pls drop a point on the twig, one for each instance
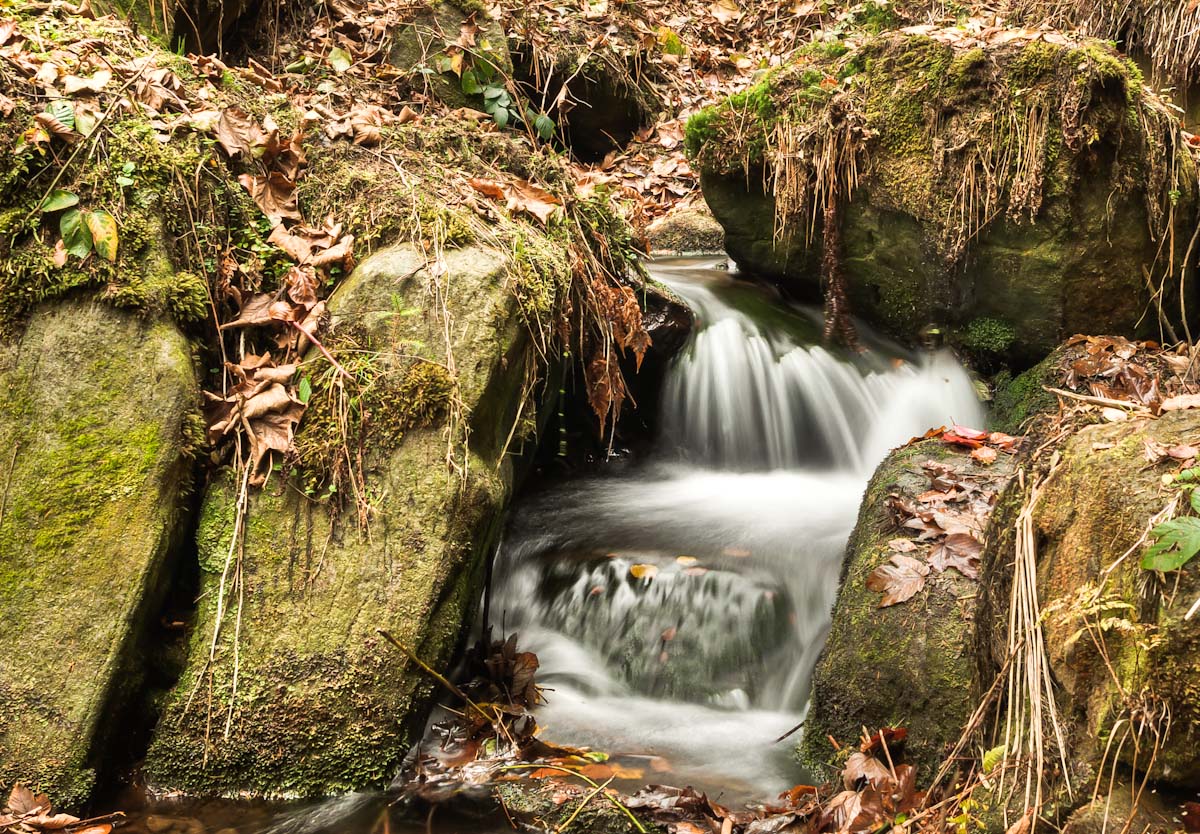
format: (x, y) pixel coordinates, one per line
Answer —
(582, 805)
(1106, 401)
(592, 782)
(436, 675)
(12, 465)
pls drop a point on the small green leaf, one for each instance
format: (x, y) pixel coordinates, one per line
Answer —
(492, 92)
(443, 64)
(993, 757)
(76, 236)
(124, 181)
(544, 125)
(470, 84)
(304, 390)
(596, 756)
(1176, 542)
(501, 116)
(103, 227)
(62, 110)
(57, 200)
(339, 59)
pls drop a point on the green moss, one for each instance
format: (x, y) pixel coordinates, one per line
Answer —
(988, 336)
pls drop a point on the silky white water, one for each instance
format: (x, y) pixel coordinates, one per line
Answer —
(737, 526)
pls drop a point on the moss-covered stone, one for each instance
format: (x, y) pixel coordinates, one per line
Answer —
(547, 804)
(1092, 514)
(1027, 184)
(1016, 400)
(94, 410)
(909, 665)
(686, 230)
(323, 704)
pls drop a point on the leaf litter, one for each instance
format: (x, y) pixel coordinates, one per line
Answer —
(944, 524)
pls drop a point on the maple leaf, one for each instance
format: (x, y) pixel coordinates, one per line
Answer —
(960, 551)
(274, 194)
(898, 580)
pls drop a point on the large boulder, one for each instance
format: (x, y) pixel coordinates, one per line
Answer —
(1009, 190)
(1118, 639)
(300, 695)
(911, 664)
(98, 418)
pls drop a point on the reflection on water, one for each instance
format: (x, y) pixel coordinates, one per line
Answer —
(678, 608)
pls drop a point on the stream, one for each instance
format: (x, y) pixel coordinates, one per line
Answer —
(678, 604)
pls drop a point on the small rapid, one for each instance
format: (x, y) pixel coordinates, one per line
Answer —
(678, 607)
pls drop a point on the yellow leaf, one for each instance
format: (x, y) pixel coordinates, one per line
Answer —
(686, 560)
(643, 571)
(103, 227)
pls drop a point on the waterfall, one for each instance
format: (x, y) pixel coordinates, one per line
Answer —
(678, 608)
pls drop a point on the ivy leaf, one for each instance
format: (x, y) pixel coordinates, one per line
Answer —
(75, 233)
(339, 59)
(544, 125)
(470, 84)
(103, 227)
(62, 111)
(1176, 542)
(58, 199)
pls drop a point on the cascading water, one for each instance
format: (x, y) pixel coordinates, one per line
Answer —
(678, 607)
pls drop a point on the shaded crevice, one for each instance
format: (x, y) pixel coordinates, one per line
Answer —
(154, 660)
(601, 109)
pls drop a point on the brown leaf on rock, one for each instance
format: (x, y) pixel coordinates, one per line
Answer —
(860, 767)
(960, 551)
(898, 580)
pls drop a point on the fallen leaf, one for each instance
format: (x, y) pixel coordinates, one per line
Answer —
(898, 580)
(984, 455)
(643, 571)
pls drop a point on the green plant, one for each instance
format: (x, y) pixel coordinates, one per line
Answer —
(483, 79)
(1177, 541)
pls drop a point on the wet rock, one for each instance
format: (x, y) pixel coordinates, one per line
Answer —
(908, 665)
(323, 704)
(1043, 262)
(689, 229)
(98, 415)
(546, 804)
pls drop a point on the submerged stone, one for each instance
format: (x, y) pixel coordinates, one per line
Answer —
(322, 703)
(95, 410)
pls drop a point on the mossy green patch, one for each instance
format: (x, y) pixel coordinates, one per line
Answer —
(93, 408)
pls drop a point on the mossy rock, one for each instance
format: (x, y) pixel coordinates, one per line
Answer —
(98, 411)
(1089, 521)
(323, 703)
(1017, 400)
(687, 230)
(1059, 252)
(547, 804)
(909, 665)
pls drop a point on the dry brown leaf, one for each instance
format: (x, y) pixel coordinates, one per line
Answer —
(898, 580)
(274, 194)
